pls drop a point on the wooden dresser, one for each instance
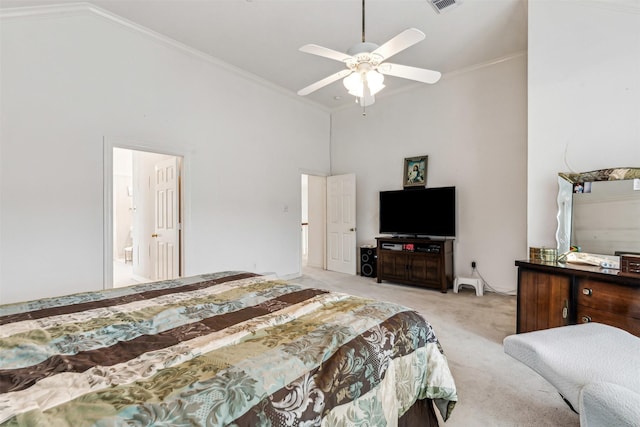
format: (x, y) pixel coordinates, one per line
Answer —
(554, 294)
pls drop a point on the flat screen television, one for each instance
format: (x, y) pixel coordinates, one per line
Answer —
(419, 212)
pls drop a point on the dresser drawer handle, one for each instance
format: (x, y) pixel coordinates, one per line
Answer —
(586, 319)
(588, 292)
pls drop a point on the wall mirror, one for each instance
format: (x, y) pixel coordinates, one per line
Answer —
(599, 211)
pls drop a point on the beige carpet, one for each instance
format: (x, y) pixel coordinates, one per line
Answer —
(493, 388)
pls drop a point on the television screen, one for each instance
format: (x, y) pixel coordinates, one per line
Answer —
(423, 212)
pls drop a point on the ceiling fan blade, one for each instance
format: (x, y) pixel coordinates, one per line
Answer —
(405, 39)
(314, 49)
(411, 73)
(324, 82)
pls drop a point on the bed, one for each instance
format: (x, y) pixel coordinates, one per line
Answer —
(229, 348)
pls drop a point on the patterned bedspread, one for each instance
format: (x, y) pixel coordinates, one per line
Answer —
(229, 348)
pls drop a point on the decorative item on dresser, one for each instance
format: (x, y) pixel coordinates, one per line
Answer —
(416, 261)
(630, 265)
(556, 294)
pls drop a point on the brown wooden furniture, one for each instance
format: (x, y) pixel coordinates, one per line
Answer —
(422, 262)
(543, 300)
(554, 294)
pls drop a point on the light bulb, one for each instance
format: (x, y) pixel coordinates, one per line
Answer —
(353, 83)
(375, 80)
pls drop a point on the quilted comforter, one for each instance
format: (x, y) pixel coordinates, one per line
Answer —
(228, 348)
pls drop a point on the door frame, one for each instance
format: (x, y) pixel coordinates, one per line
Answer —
(109, 143)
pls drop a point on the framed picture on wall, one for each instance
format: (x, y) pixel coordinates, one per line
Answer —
(415, 171)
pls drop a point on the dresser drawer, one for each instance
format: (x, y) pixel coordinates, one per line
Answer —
(590, 314)
(619, 300)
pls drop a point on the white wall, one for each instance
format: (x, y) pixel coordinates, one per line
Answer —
(584, 98)
(69, 80)
(472, 125)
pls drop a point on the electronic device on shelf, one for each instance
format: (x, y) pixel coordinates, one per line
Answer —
(392, 246)
(630, 264)
(428, 248)
(420, 212)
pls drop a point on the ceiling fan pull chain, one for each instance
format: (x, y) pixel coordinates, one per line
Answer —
(363, 38)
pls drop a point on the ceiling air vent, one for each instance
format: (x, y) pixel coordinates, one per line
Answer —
(444, 5)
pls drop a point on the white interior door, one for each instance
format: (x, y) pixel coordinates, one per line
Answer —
(341, 223)
(166, 235)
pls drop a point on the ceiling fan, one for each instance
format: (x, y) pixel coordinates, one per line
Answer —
(366, 66)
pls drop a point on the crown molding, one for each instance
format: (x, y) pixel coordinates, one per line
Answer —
(625, 6)
(445, 76)
(486, 64)
(84, 8)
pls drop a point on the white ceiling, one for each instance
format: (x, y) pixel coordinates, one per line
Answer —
(262, 37)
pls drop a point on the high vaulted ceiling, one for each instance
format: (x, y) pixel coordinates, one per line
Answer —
(262, 37)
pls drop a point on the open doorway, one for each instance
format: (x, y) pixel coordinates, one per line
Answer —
(328, 222)
(314, 189)
(147, 216)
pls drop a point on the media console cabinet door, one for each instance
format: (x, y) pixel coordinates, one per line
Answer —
(543, 300)
(425, 269)
(392, 265)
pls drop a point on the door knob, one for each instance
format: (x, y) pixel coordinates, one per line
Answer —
(352, 229)
(154, 235)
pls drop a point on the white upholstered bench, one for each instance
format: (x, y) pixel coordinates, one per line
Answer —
(595, 367)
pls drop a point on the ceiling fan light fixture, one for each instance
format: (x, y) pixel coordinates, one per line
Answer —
(366, 66)
(356, 81)
(353, 83)
(375, 81)
(366, 101)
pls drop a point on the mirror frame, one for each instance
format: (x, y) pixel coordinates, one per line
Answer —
(566, 180)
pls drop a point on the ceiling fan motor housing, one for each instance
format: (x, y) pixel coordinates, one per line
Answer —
(361, 55)
(367, 47)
